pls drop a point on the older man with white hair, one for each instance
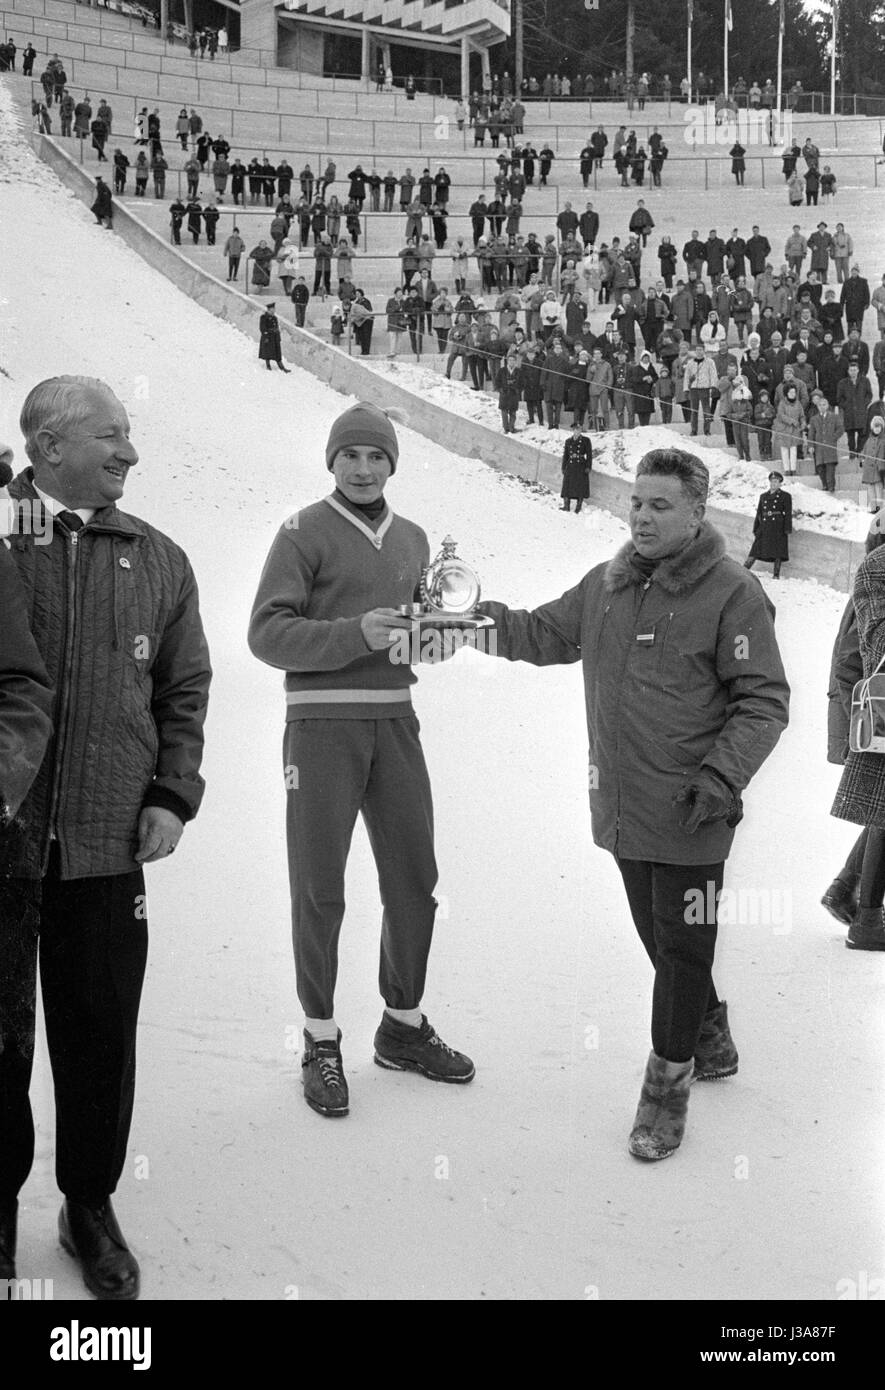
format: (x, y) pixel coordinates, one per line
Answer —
(115, 618)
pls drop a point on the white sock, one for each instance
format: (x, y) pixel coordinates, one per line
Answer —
(322, 1029)
(410, 1016)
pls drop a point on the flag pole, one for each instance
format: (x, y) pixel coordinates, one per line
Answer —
(688, 64)
(833, 60)
(780, 58)
(725, 53)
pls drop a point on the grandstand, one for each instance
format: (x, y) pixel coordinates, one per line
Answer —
(281, 111)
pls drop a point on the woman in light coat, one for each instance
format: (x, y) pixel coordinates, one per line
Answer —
(288, 264)
(843, 251)
(873, 463)
(789, 429)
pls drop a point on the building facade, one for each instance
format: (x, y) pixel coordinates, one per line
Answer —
(428, 39)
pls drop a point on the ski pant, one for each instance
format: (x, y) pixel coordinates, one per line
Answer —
(344, 767)
(91, 935)
(680, 949)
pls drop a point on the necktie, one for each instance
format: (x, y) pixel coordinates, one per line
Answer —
(71, 520)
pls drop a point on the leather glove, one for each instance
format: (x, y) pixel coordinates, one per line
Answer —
(708, 798)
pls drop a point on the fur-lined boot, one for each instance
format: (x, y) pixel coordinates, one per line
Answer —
(715, 1055)
(663, 1103)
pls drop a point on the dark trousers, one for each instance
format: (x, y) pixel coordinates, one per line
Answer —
(700, 400)
(92, 937)
(346, 767)
(233, 266)
(478, 370)
(680, 949)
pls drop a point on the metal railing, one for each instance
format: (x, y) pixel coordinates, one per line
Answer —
(680, 174)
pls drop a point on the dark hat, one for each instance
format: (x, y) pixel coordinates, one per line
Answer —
(777, 475)
(366, 425)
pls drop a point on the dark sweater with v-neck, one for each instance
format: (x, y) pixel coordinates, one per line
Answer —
(327, 567)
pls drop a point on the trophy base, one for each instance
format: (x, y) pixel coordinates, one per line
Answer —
(455, 622)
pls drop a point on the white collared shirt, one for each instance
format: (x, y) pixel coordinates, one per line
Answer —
(53, 506)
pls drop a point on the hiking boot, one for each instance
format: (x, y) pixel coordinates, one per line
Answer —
(663, 1103)
(715, 1055)
(840, 900)
(399, 1047)
(322, 1075)
(867, 930)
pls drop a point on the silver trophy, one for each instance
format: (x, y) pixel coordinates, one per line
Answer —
(449, 594)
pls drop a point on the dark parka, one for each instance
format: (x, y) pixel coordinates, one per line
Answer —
(25, 696)
(577, 460)
(861, 794)
(114, 612)
(555, 378)
(852, 399)
(709, 690)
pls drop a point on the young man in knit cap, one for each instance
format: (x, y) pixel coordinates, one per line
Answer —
(326, 614)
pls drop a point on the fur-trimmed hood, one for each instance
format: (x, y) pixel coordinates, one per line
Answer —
(678, 572)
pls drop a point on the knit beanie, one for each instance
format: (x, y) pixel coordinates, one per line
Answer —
(753, 340)
(364, 425)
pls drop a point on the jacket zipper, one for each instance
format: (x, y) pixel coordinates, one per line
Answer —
(645, 588)
(67, 671)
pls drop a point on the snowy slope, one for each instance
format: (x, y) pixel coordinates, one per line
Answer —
(518, 1186)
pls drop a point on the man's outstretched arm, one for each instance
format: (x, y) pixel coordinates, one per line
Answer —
(547, 636)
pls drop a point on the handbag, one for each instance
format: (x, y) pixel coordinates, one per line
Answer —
(866, 731)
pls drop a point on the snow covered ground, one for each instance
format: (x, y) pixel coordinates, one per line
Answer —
(518, 1186)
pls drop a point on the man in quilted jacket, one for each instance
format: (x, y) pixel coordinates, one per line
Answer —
(686, 697)
(114, 613)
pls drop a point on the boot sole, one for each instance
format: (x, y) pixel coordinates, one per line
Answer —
(96, 1289)
(389, 1065)
(651, 1158)
(325, 1111)
(864, 946)
(714, 1075)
